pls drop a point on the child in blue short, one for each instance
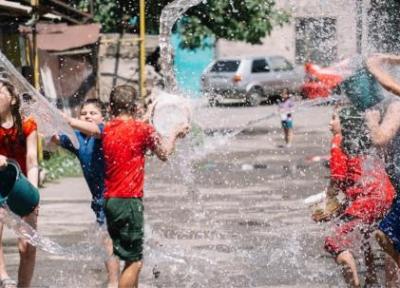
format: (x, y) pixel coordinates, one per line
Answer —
(90, 155)
(285, 110)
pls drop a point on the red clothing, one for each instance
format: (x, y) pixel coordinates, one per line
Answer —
(368, 191)
(372, 193)
(124, 145)
(364, 181)
(13, 147)
(337, 162)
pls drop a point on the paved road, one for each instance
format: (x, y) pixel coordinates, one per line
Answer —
(234, 219)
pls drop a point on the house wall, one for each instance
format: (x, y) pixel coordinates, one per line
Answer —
(282, 39)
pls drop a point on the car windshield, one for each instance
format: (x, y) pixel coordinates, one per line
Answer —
(225, 66)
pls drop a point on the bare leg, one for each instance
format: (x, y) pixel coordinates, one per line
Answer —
(3, 272)
(27, 254)
(387, 246)
(370, 278)
(289, 136)
(112, 264)
(130, 275)
(346, 260)
(286, 135)
(391, 273)
(392, 260)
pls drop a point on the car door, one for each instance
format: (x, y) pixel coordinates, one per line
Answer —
(294, 76)
(261, 75)
(286, 76)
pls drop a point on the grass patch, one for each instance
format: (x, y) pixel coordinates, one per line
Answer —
(60, 163)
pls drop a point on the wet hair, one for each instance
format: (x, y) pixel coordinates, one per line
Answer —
(123, 99)
(15, 112)
(96, 102)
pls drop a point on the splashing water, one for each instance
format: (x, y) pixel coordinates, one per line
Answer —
(91, 250)
(289, 253)
(48, 118)
(169, 15)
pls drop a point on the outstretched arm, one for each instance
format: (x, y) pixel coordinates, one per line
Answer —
(32, 165)
(382, 132)
(374, 65)
(88, 128)
(164, 146)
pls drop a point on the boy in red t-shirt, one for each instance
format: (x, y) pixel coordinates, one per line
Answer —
(125, 142)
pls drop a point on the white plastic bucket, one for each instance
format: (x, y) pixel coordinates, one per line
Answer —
(170, 111)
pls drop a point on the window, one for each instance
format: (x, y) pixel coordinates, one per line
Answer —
(260, 66)
(225, 66)
(280, 64)
(316, 40)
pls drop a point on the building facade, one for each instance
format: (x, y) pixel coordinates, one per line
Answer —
(320, 31)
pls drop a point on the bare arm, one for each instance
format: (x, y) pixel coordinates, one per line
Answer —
(32, 158)
(87, 128)
(374, 65)
(166, 145)
(382, 133)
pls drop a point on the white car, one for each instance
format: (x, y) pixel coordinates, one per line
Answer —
(249, 80)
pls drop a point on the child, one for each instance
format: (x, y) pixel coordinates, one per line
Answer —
(90, 154)
(125, 142)
(337, 170)
(18, 141)
(369, 194)
(383, 121)
(285, 109)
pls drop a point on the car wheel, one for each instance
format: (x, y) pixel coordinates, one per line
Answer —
(212, 102)
(254, 97)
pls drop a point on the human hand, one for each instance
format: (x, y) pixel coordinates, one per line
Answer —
(55, 139)
(372, 118)
(66, 117)
(3, 162)
(182, 130)
(149, 113)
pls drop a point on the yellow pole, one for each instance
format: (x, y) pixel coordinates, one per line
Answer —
(142, 50)
(36, 73)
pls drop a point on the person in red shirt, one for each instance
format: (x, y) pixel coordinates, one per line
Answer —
(368, 196)
(125, 142)
(18, 141)
(337, 167)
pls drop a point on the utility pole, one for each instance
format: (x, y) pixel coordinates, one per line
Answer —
(142, 50)
(35, 62)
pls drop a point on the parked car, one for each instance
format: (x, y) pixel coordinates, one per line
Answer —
(249, 80)
(320, 82)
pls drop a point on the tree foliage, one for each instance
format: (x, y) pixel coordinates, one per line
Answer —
(244, 20)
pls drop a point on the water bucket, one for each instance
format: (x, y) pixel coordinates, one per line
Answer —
(16, 191)
(362, 89)
(170, 111)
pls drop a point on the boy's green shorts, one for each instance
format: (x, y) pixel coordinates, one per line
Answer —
(125, 224)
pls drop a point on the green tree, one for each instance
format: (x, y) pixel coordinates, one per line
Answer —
(244, 20)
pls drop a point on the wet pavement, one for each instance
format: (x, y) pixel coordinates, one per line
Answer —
(240, 223)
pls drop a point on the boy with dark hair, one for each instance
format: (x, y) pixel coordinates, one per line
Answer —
(125, 142)
(90, 125)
